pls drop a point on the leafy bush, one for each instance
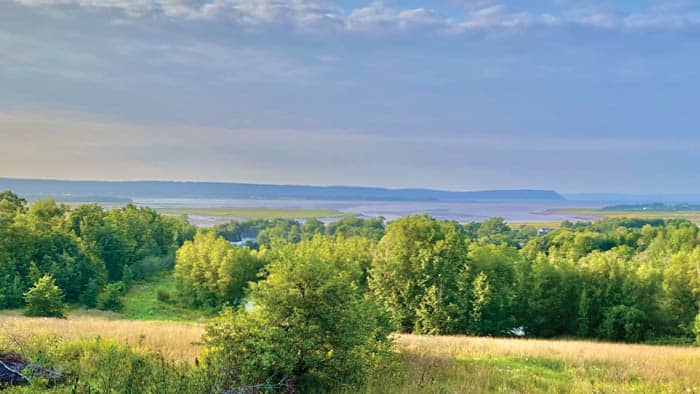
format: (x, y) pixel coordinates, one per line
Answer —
(89, 296)
(418, 264)
(153, 265)
(105, 366)
(45, 299)
(112, 297)
(164, 296)
(210, 272)
(624, 323)
(307, 323)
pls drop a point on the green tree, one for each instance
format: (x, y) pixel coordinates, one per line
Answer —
(494, 230)
(111, 298)
(624, 323)
(372, 229)
(499, 263)
(90, 294)
(11, 202)
(312, 228)
(481, 297)
(127, 276)
(583, 319)
(45, 299)
(211, 272)
(434, 314)
(415, 254)
(307, 322)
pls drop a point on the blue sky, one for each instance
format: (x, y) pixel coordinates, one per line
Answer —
(577, 96)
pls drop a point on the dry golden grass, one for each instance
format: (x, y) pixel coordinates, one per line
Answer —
(528, 365)
(177, 341)
(447, 364)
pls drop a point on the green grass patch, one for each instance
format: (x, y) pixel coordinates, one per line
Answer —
(143, 302)
(256, 213)
(482, 373)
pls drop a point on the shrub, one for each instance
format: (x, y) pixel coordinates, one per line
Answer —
(111, 298)
(89, 296)
(164, 296)
(308, 323)
(697, 329)
(210, 272)
(105, 366)
(45, 299)
(624, 323)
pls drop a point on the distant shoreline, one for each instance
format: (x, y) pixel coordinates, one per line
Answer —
(173, 189)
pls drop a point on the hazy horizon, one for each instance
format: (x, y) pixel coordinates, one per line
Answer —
(593, 96)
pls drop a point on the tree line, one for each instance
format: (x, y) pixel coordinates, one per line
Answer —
(318, 311)
(309, 305)
(90, 254)
(617, 279)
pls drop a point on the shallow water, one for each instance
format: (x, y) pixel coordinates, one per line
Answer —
(513, 212)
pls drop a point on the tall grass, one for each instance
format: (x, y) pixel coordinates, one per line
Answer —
(175, 340)
(480, 365)
(447, 364)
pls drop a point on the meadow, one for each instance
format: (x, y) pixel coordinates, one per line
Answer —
(434, 364)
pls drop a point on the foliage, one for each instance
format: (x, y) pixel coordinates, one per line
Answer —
(289, 230)
(111, 298)
(418, 260)
(211, 272)
(308, 322)
(624, 323)
(105, 366)
(90, 294)
(372, 228)
(45, 299)
(156, 299)
(83, 248)
(620, 279)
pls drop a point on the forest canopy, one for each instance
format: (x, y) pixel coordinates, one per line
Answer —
(617, 279)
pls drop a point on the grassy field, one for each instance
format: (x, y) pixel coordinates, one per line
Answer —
(441, 364)
(255, 213)
(142, 303)
(693, 216)
(176, 340)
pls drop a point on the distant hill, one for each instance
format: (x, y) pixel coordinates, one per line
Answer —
(38, 188)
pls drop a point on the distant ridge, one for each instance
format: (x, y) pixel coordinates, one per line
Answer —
(43, 188)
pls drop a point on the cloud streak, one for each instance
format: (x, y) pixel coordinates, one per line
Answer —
(379, 18)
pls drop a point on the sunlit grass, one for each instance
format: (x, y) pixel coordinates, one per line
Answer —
(447, 364)
(142, 303)
(175, 340)
(474, 365)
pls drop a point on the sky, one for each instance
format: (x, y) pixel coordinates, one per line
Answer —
(570, 95)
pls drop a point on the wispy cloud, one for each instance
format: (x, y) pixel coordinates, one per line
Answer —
(377, 17)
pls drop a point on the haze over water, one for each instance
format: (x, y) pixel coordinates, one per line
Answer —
(513, 212)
